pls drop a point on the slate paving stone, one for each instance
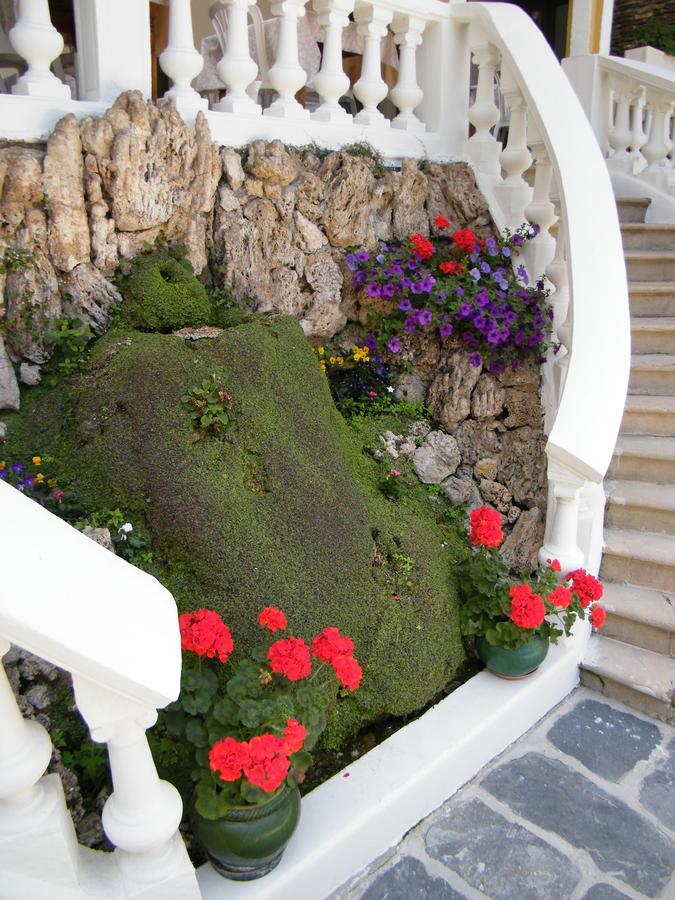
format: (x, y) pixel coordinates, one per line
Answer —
(607, 741)
(657, 793)
(604, 892)
(498, 857)
(619, 839)
(409, 880)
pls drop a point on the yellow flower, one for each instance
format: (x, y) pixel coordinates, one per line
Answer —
(37, 460)
(332, 360)
(321, 351)
(39, 478)
(2, 465)
(340, 360)
(51, 483)
(323, 365)
(355, 349)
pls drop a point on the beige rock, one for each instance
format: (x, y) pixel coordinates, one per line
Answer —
(89, 296)
(227, 199)
(526, 373)
(499, 496)
(411, 387)
(477, 440)
(453, 193)
(9, 387)
(486, 468)
(437, 458)
(271, 163)
(523, 465)
(523, 406)
(310, 237)
(346, 214)
(309, 196)
(324, 317)
(232, 168)
(29, 374)
(520, 548)
(63, 180)
(409, 195)
(32, 301)
(450, 392)
(100, 536)
(487, 400)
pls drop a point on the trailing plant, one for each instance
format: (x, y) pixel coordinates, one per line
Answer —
(211, 407)
(131, 542)
(253, 721)
(460, 286)
(657, 33)
(508, 612)
(13, 259)
(68, 339)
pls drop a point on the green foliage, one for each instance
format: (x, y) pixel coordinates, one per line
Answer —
(657, 33)
(391, 485)
(131, 541)
(68, 340)
(13, 259)
(363, 148)
(87, 760)
(211, 407)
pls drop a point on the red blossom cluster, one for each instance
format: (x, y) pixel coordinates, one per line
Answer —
(263, 760)
(588, 588)
(441, 222)
(465, 239)
(204, 633)
(527, 608)
(451, 267)
(337, 650)
(422, 247)
(486, 527)
(554, 564)
(561, 597)
(290, 657)
(272, 618)
(597, 615)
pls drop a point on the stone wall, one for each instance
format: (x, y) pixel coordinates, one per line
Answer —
(630, 14)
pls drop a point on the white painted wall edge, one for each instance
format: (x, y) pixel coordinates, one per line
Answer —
(356, 816)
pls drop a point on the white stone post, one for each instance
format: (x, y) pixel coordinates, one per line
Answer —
(656, 149)
(36, 40)
(514, 193)
(407, 94)
(371, 89)
(482, 147)
(540, 211)
(620, 134)
(181, 61)
(562, 538)
(555, 370)
(287, 75)
(142, 815)
(638, 135)
(331, 82)
(37, 837)
(237, 69)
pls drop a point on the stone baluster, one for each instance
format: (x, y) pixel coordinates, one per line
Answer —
(37, 41)
(655, 151)
(514, 193)
(540, 212)
(331, 82)
(482, 147)
(287, 75)
(638, 134)
(35, 828)
(142, 815)
(407, 94)
(181, 61)
(555, 369)
(236, 68)
(670, 135)
(371, 89)
(620, 134)
(562, 534)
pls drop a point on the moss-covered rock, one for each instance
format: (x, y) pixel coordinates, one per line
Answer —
(285, 510)
(162, 294)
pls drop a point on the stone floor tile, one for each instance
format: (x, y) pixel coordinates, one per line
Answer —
(658, 789)
(618, 838)
(606, 740)
(498, 857)
(604, 892)
(409, 880)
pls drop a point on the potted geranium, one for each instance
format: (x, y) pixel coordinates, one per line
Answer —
(252, 722)
(515, 620)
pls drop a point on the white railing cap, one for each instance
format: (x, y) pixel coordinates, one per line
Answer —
(644, 73)
(77, 605)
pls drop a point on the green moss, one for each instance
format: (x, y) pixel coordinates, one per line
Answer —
(285, 510)
(162, 294)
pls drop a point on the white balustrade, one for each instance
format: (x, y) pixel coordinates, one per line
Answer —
(656, 150)
(407, 94)
(236, 68)
(621, 134)
(482, 147)
(637, 130)
(287, 75)
(181, 61)
(562, 538)
(36, 40)
(540, 212)
(330, 82)
(371, 89)
(514, 193)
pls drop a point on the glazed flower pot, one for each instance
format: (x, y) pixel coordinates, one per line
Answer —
(513, 664)
(248, 841)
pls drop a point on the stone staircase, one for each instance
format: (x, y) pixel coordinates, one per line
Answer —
(632, 658)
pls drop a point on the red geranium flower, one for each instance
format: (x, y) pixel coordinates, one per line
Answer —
(586, 586)
(561, 597)
(272, 619)
(441, 222)
(554, 564)
(268, 764)
(465, 239)
(290, 657)
(422, 246)
(294, 735)
(228, 757)
(486, 527)
(348, 671)
(329, 644)
(204, 633)
(598, 615)
(527, 608)
(451, 267)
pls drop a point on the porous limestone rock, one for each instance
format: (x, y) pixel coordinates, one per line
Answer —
(89, 297)
(437, 458)
(523, 465)
(496, 494)
(477, 440)
(487, 400)
(520, 548)
(29, 374)
(410, 387)
(69, 243)
(346, 217)
(461, 488)
(9, 388)
(309, 237)
(486, 468)
(271, 162)
(523, 405)
(450, 392)
(410, 189)
(100, 536)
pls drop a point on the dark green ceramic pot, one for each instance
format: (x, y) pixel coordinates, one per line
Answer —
(248, 842)
(513, 663)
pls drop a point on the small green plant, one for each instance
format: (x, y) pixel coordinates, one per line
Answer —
(68, 340)
(391, 485)
(659, 34)
(363, 148)
(211, 407)
(14, 259)
(131, 542)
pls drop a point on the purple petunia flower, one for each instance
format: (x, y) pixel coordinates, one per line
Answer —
(17, 468)
(370, 342)
(409, 325)
(517, 240)
(363, 256)
(394, 345)
(445, 330)
(475, 274)
(479, 322)
(424, 317)
(3, 474)
(440, 296)
(412, 264)
(485, 267)
(352, 262)
(358, 279)
(380, 258)
(463, 310)
(406, 282)
(476, 360)
(497, 366)
(417, 288)
(374, 289)
(506, 251)
(405, 305)
(459, 290)
(482, 299)
(504, 285)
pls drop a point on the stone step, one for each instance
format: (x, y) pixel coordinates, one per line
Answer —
(652, 298)
(640, 616)
(652, 373)
(632, 209)
(638, 236)
(649, 415)
(650, 265)
(641, 457)
(644, 558)
(641, 506)
(653, 334)
(641, 678)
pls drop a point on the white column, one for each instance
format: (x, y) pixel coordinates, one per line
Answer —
(237, 69)
(331, 82)
(555, 370)
(113, 48)
(371, 89)
(540, 211)
(638, 135)
(142, 815)
(656, 150)
(562, 537)
(36, 40)
(287, 75)
(181, 61)
(35, 827)
(482, 147)
(407, 94)
(620, 134)
(514, 193)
